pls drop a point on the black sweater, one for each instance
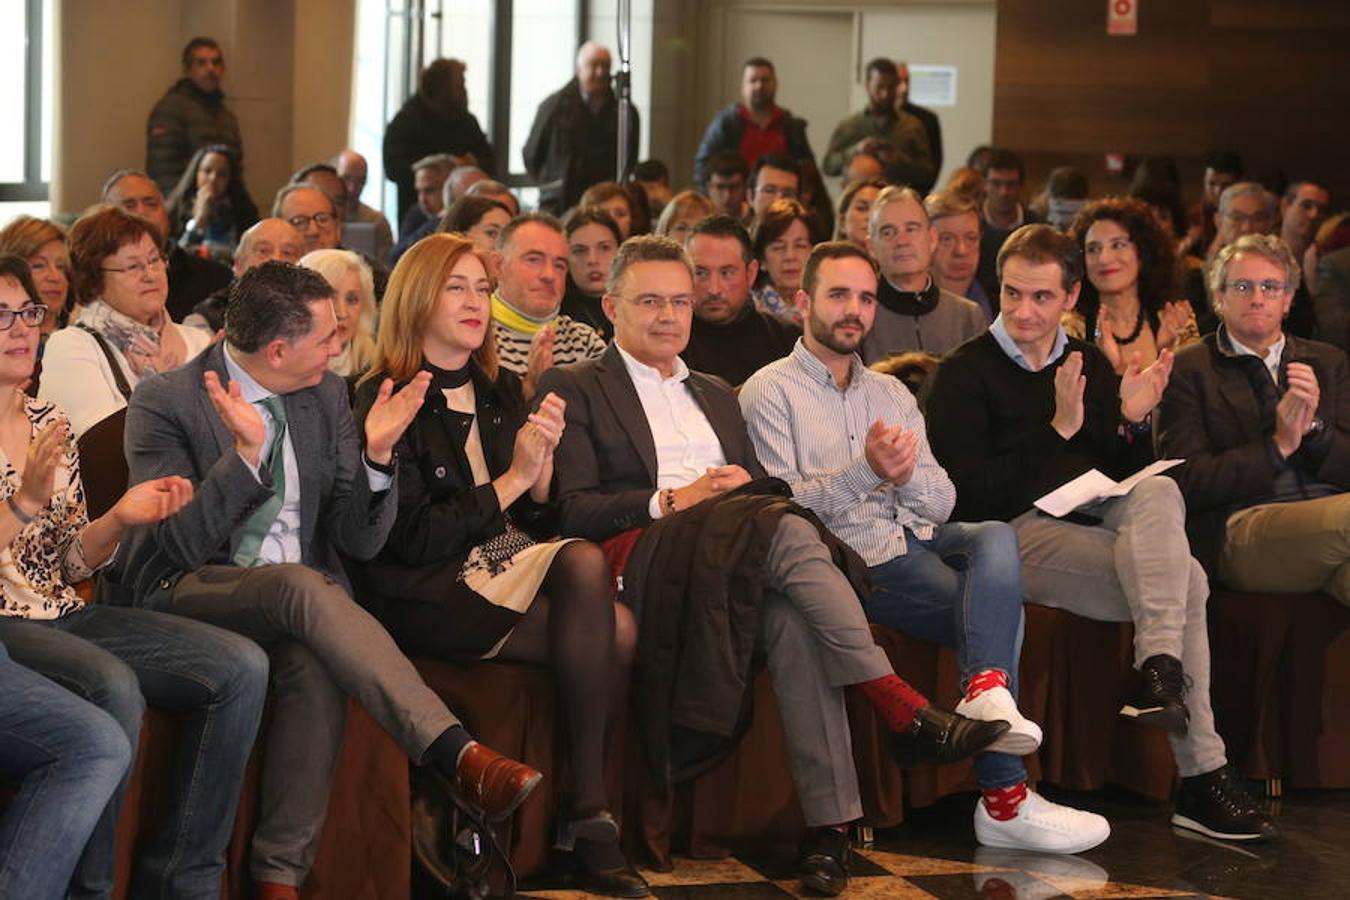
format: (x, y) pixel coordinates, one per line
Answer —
(738, 349)
(989, 426)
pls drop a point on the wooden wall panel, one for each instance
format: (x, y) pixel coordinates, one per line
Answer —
(1271, 80)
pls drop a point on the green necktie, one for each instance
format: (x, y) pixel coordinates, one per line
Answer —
(260, 523)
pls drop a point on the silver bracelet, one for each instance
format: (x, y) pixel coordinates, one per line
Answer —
(23, 517)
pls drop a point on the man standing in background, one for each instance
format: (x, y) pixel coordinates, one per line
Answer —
(191, 114)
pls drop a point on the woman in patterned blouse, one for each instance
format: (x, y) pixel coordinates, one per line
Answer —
(117, 659)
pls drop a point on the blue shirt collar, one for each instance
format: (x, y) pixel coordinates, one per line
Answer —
(249, 389)
(1014, 353)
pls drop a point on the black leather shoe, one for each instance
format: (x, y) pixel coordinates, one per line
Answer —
(822, 861)
(602, 868)
(1161, 701)
(938, 736)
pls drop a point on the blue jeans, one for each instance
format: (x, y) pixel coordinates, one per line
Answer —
(963, 589)
(68, 757)
(120, 660)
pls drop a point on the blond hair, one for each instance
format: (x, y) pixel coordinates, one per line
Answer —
(332, 265)
(410, 302)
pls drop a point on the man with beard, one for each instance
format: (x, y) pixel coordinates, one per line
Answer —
(875, 484)
(755, 126)
(885, 130)
(729, 337)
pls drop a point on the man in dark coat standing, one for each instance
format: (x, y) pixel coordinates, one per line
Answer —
(191, 114)
(574, 142)
(436, 119)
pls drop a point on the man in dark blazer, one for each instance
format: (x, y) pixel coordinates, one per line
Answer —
(284, 491)
(645, 439)
(1262, 419)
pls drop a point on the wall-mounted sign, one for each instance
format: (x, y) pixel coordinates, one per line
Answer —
(932, 85)
(1122, 17)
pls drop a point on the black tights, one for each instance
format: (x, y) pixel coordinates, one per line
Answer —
(572, 627)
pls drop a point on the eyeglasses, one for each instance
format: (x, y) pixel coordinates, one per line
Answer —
(1260, 220)
(773, 190)
(1245, 287)
(138, 269)
(652, 303)
(32, 316)
(323, 220)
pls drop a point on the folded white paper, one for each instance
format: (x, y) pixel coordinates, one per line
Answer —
(1093, 486)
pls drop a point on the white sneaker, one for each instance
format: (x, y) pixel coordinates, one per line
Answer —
(997, 703)
(1042, 826)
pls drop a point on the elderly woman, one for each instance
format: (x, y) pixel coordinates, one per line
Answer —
(354, 304)
(782, 241)
(1128, 302)
(118, 659)
(121, 332)
(469, 570)
(42, 244)
(210, 208)
(593, 240)
(855, 209)
(685, 210)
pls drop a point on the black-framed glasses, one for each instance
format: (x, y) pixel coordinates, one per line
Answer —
(32, 316)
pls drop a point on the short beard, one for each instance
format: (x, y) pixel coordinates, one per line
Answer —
(824, 334)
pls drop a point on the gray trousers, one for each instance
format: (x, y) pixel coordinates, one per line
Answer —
(323, 647)
(1134, 567)
(817, 640)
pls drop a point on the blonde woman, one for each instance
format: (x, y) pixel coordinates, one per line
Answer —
(355, 306)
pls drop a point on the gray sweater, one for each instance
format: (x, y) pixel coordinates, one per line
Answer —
(936, 328)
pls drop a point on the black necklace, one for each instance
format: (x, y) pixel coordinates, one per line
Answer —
(1133, 335)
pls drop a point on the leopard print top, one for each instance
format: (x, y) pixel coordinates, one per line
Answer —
(39, 566)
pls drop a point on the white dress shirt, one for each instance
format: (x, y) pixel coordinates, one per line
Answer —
(686, 445)
(282, 544)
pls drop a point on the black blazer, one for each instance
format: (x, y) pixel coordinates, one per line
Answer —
(605, 467)
(442, 515)
(1210, 417)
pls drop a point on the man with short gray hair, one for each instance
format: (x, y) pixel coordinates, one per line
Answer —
(651, 445)
(312, 212)
(574, 140)
(913, 311)
(1262, 419)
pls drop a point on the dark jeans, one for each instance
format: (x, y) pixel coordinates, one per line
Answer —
(120, 660)
(68, 757)
(963, 589)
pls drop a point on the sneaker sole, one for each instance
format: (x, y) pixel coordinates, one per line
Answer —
(1080, 847)
(1157, 717)
(1190, 824)
(1014, 744)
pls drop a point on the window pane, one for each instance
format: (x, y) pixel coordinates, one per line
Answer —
(14, 76)
(48, 87)
(543, 57)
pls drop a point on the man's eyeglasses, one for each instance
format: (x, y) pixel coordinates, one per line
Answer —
(652, 303)
(1245, 288)
(773, 190)
(32, 316)
(323, 220)
(138, 269)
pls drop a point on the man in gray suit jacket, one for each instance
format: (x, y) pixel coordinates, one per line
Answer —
(283, 490)
(647, 439)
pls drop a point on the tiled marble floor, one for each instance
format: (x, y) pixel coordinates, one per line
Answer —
(933, 856)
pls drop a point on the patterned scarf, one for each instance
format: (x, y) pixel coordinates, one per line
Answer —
(138, 342)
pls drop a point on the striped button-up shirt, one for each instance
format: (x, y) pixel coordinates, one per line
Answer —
(812, 435)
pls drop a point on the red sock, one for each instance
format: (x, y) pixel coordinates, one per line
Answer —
(894, 699)
(985, 681)
(1002, 803)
